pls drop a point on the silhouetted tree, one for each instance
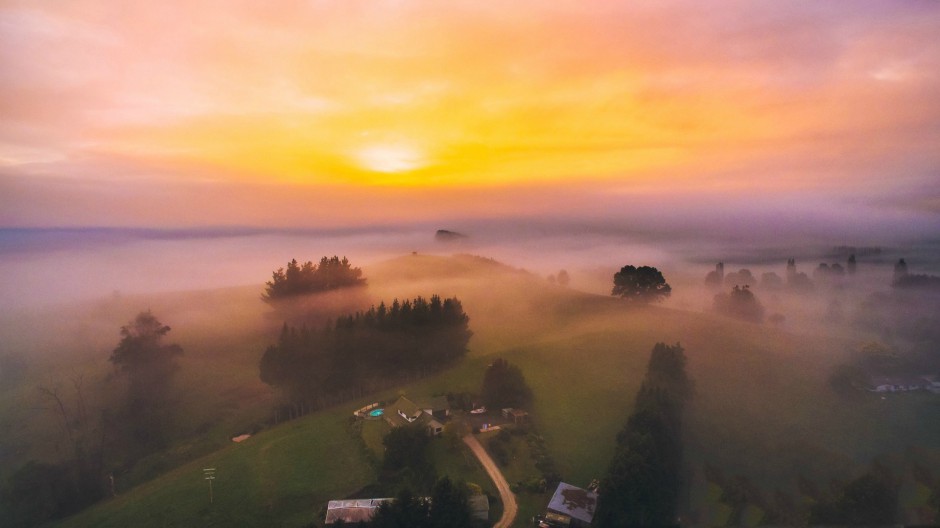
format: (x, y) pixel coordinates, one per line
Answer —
(869, 500)
(563, 278)
(740, 303)
(642, 285)
(742, 277)
(798, 281)
(406, 446)
(149, 365)
(642, 483)
(504, 386)
(450, 505)
(406, 511)
(770, 281)
(900, 270)
(717, 277)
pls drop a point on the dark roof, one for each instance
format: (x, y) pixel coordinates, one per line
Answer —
(574, 502)
(436, 403)
(407, 407)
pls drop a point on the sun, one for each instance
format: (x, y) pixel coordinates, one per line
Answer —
(390, 159)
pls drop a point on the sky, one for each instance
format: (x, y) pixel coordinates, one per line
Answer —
(758, 114)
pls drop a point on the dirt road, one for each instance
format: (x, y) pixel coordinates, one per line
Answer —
(510, 508)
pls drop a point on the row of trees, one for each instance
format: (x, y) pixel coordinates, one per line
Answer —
(447, 507)
(366, 351)
(641, 487)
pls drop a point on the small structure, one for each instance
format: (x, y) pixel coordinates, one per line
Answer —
(435, 428)
(932, 383)
(479, 507)
(898, 384)
(518, 416)
(571, 506)
(352, 511)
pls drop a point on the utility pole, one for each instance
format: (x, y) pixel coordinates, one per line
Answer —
(209, 474)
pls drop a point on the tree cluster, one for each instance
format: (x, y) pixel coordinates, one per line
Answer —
(640, 285)
(641, 487)
(40, 492)
(504, 386)
(367, 350)
(869, 500)
(448, 507)
(300, 279)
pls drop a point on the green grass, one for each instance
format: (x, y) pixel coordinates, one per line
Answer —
(373, 431)
(280, 477)
(761, 407)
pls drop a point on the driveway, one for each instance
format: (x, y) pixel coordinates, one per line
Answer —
(510, 508)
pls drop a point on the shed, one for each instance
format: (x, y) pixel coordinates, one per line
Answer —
(479, 507)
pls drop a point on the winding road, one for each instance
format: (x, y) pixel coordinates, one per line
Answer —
(510, 508)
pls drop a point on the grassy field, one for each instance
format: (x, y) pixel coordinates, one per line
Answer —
(281, 477)
(761, 409)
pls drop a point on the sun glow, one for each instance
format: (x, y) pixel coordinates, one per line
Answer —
(390, 159)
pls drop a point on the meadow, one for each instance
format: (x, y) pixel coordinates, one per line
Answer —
(762, 409)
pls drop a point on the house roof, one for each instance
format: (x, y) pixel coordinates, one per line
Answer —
(574, 502)
(401, 406)
(436, 403)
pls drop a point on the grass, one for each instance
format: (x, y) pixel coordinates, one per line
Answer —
(761, 407)
(279, 477)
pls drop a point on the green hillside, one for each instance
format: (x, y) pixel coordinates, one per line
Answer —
(762, 409)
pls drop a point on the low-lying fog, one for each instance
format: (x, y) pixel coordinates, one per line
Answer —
(41, 267)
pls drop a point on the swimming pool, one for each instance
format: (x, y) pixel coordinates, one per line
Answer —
(375, 413)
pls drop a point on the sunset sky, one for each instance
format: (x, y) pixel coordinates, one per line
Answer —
(336, 113)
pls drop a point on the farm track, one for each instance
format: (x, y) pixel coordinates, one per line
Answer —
(510, 508)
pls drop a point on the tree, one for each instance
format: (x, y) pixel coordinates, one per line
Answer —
(641, 487)
(641, 285)
(504, 386)
(407, 446)
(141, 353)
(450, 505)
(740, 303)
(406, 511)
(563, 278)
(871, 499)
(149, 366)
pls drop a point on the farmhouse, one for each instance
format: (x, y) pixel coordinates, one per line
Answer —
(571, 506)
(352, 511)
(404, 411)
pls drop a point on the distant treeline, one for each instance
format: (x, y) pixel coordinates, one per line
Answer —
(642, 484)
(366, 351)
